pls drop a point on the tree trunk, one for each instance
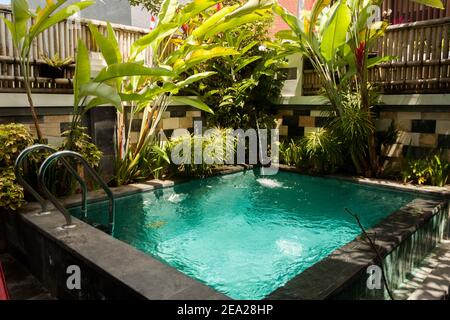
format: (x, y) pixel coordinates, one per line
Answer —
(34, 115)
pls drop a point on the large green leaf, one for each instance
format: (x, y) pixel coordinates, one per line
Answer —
(245, 62)
(251, 6)
(203, 55)
(431, 3)
(167, 11)
(229, 24)
(292, 21)
(18, 26)
(153, 38)
(107, 47)
(150, 93)
(193, 8)
(131, 69)
(335, 34)
(82, 71)
(59, 16)
(102, 93)
(212, 21)
(194, 78)
(193, 102)
(42, 14)
(319, 5)
(115, 43)
(373, 62)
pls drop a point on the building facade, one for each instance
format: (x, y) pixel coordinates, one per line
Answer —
(115, 11)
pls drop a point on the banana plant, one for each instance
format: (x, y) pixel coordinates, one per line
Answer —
(26, 25)
(337, 38)
(148, 90)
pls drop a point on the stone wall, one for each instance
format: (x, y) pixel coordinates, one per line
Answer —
(176, 117)
(53, 121)
(422, 129)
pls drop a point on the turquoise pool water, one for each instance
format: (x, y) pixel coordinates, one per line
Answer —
(244, 234)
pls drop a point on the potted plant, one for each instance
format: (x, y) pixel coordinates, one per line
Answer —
(54, 67)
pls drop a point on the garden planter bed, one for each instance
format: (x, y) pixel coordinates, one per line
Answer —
(115, 270)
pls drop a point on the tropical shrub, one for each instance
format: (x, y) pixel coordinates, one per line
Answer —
(214, 146)
(26, 26)
(439, 171)
(77, 140)
(292, 153)
(11, 193)
(337, 38)
(13, 138)
(245, 85)
(323, 151)
(433, 170)
(137, 89)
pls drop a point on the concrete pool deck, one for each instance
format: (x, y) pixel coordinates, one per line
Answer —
(115, 270)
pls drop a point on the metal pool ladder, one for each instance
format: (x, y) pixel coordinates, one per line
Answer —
(49, 161)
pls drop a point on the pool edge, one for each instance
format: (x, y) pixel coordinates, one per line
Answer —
(289, 291)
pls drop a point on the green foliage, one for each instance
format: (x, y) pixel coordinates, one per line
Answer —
(77, 140)
(11, 194)
(318, 152)
(323, 151)
(433, 170)
(292, 153)
(152, 162)
(214, 150)
(56, 61)
(353, 128)
(138, 89)
(439, 171)
(336, 38)
(14, 138)
(245, 84)
(151, 5)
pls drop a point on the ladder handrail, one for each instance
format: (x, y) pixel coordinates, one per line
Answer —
(74, 155)
(18, 167)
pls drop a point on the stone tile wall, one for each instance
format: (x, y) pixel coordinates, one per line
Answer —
(420, 132)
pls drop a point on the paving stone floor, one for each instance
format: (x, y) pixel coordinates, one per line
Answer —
(21, 284)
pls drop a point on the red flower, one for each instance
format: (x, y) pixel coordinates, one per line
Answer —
(360, 55)
(219, 6)
(152, 23)
(185, 28)
(399, 20)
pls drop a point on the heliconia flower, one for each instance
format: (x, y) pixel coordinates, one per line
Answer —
(219, 6)
(360, 55)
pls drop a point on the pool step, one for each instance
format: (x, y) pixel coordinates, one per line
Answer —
(417, 277)
(437, 285)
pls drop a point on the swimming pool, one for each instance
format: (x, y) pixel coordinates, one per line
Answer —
(246, 235)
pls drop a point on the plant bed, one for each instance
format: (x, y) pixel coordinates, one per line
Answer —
(47, 71)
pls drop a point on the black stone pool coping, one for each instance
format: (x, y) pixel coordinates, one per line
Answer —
(330, 276)
(151, 279)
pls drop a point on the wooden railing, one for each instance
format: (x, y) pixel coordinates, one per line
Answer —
(62, 40)
(405, 11)
(422, 63)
